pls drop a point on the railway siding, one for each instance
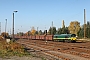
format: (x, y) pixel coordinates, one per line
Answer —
(64, 51)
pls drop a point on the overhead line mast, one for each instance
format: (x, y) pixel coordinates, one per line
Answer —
(52, 28)
(84, 23)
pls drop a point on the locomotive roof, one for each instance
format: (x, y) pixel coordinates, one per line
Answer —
(64, 34)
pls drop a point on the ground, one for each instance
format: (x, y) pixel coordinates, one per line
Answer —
(21, 58)
(40, 50)
(58, 50)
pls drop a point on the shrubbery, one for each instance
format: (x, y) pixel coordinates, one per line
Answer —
(11, 49)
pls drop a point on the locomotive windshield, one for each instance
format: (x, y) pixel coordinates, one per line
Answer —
(73, 35)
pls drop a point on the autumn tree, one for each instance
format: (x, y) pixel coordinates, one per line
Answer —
(26, 34)
(74, 27)
(4, 34)
(33, 31)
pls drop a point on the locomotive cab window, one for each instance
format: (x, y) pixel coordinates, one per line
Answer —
(73, 35)
(55, 36)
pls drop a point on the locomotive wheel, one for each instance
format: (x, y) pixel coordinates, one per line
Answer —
(63, 40)
(73, 41)
(69, 41)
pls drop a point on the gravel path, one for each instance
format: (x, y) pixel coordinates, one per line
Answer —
(21, 58)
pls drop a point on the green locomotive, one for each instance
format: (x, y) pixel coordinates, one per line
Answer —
(65, 37)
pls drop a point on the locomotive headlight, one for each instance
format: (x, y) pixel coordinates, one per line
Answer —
(74, 38)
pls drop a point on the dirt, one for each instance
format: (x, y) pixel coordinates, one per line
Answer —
(41, 55)
(21, 58)
(54, 54)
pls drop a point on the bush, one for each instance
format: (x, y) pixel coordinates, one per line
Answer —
(11, 49)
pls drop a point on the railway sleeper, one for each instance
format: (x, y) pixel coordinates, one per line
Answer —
(56, 56)
(78, 53)
(85, 55)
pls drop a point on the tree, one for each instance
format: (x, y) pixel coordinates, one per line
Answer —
(63, 30)
(88, 29)
(45, 32)
(59, 31)
(29, 33)
(81, 31)
(26, 34)
(33, 31)
(74, 27)
(4, 34)
(36, 33)
(20, 34)
(40, 32)
(52, 30)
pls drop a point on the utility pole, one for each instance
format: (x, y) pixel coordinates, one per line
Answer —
(5, 28)
(37, 30)
(84, 23)
(63, 25)
(13, 25)
(0, 28)
(52, 28)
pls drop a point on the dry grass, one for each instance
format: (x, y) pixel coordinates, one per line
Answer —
(11, 49)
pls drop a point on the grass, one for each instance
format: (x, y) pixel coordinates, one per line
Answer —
(11, 49)
(43, 58)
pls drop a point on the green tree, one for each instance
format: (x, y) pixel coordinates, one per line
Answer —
(36, 33)
(40, 32)
(88, 29)
(63, 30)
(20, 34)
(52, 30)
(81, 31)
(29, 33)
(45, 32)
(59, 31)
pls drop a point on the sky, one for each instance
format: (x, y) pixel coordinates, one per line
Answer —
(41, 13)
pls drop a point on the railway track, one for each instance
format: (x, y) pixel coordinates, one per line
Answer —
(59, 50)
